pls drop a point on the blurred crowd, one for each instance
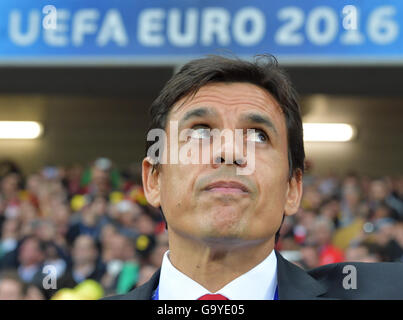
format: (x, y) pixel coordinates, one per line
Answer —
(93, 227)
(350, 218)
(87, 223)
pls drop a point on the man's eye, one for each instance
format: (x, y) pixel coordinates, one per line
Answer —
(258, 136)
(200, 132)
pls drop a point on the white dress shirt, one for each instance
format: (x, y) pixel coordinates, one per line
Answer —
(258, 283)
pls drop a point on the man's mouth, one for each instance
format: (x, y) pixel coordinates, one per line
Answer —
(227, 187)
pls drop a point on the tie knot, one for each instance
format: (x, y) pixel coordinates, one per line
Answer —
(213, 297)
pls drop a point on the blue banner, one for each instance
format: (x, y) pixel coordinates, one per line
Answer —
(171, 31)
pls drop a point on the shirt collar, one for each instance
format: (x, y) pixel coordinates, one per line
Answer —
(259, 283)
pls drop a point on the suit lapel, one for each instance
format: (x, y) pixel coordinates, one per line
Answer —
(145, 291)
(295, 283)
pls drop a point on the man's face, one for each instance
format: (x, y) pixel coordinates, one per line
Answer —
(30, 253)
(210, 201)
(84, 250)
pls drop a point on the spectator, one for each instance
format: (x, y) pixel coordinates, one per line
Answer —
(33, 292)
(90, 220)
(145, 274)
(85, 262)
(364, 252)
(309, 256)
(323, 229)
(31, 256)
(122, 266)
(11, 286)
(9, 236)
(115, 238)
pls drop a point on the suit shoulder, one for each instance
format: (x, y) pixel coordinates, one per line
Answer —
(132, 295)
(382, 280)
(143, 292)
(387, 269)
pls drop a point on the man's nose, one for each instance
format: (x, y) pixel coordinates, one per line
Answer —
(229, 152)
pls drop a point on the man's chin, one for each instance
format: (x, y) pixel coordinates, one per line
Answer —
(229, 242)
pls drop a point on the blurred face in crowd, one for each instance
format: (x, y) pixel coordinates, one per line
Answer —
(11, 289)
(101, 180)
(158, 254)
(60, 217)
(99, 175)
(84, 250)
(351, 195)
(34, 183)
(145, 224)
(145, 274)
(306, 218)
(378, 190)
(28, 212)
(46, 231)
(99, 206)
(322, 232)
(385, 233)
(330, 210)
(310, 257)
(128, 213)
(10, 228)
(33, 293)
(360, 254)
(253, 208)
(121, 248)
(74, 172)
(312, 198)
(30, 252)
(107, 233)
(381, 212)
(9, 185)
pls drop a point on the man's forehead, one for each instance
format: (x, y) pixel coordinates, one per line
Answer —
(237, 95)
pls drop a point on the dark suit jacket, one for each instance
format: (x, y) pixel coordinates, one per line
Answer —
(375, 281)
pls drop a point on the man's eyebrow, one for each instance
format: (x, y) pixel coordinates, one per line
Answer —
(260, 119)
(198, 113)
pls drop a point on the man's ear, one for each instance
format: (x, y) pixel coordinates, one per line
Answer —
(294, 193)
(151, 185)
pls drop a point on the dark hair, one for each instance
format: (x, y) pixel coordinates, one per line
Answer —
(263, 71)
(42, 245)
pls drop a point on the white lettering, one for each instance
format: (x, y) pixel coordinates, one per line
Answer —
(112, 29)
(257, 30)
(288, 33)
(150, 26)
(329, 18)
(50, 19)
(50, 280)
(350, 280)
(382, 28)
(57, 37)
(215, 22)
(84, 22)
(14, 28)
(189, 35)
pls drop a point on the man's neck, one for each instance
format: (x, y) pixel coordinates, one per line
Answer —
(214, 265)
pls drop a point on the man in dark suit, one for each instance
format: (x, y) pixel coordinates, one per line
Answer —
(224, 206)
